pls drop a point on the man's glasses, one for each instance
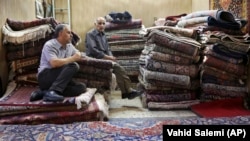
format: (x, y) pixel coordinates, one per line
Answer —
(101, 23)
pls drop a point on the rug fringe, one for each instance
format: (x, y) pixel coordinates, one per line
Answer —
(102, 104)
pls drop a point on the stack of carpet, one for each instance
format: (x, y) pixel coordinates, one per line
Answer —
(224, 70)
(224, 56)
(16, 108)
(224, 66)
(95, 73)
(169, 68)
(24, 42)
(125, 41)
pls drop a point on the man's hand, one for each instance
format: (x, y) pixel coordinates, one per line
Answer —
(77, 56)
(112, 58)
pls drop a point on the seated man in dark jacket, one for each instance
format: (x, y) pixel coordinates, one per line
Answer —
(98, 47)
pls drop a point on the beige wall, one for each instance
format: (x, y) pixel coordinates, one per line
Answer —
(83, 13)
(198, 5)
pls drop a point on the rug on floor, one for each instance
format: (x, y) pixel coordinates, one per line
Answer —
(127, 129)
(221, 108)
(15, 108)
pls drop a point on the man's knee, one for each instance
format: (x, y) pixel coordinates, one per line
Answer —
(118, 68)
(82, 87)
(74, 66)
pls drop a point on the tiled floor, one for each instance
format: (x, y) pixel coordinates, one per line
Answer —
(124, 108)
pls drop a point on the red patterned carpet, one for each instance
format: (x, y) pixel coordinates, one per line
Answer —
(124, 129)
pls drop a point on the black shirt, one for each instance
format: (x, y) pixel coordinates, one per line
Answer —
(97, 45)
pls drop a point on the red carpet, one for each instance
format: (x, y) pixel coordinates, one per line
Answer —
(21, 95)
(221, 108)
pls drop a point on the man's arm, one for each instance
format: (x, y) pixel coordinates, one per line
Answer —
(107, 57)
(58, 62)
(55, 61)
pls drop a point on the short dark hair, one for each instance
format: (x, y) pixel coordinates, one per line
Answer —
(58, 29)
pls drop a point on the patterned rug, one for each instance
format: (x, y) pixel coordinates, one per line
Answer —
(239, 8)
(123, 129)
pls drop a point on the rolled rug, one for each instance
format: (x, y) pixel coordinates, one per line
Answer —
(84, 99)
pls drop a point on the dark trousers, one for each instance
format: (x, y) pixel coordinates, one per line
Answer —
(60, 80)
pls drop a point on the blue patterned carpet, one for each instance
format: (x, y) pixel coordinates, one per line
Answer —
(126, 129)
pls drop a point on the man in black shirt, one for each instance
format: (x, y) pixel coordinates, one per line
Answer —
(97, 47)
